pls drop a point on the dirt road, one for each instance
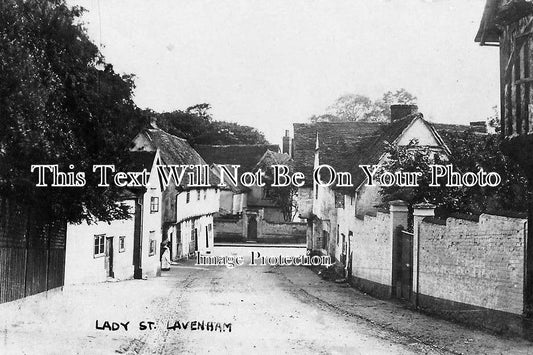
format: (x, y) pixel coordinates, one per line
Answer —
(247, 309)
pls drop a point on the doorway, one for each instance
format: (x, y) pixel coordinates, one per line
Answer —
(252, 228)
(109, 257)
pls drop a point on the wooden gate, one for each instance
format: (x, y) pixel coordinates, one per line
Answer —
(402, 275)
(32, 252)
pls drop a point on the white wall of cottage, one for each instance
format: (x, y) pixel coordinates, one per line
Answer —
(82, 266)
(201, 202)
(150, 261)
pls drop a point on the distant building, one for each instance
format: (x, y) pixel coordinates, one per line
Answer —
(234, 198)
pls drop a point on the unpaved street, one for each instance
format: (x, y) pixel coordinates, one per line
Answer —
(268, 310)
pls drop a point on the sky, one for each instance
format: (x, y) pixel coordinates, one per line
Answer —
(271, 63)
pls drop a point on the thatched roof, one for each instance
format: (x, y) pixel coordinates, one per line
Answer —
(173, 150)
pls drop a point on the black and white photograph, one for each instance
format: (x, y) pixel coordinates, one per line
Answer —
(266, 177)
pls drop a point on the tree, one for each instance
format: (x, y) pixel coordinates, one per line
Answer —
(494, 121)
(355, 107)
(400, 96)
(470, 152)
(285, 199)
(60, 102)
(197, 126)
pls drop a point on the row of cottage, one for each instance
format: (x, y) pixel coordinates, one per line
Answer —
(182, 217)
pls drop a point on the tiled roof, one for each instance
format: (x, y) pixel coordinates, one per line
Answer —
(446, 131)
(371, 150)
(245, 155)
(338, 142)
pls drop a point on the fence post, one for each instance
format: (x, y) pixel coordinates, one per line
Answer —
(420, 211)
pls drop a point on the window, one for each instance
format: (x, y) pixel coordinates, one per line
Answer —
(198, 192)
(154, 204)
(338, 234)
(205, 194)
(188, 197)
(152, 244)
(316, 192)
(121, 244)
(339, 200)
(99, 245)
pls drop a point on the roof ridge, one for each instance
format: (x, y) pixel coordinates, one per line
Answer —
(165, 132)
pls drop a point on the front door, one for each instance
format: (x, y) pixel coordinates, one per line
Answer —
(109, 257)
(252, 228)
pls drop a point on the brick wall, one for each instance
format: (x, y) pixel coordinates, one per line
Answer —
(476, 263)
(227, 229)
(284, 230)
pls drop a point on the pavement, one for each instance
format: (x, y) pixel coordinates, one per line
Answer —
(194, 309)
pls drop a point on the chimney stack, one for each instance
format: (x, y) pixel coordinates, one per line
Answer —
(287, 143)
(400, 111)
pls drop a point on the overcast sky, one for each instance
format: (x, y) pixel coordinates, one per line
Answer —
(274, 62)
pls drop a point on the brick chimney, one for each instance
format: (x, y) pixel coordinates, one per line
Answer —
(287, 143)
(400, 111)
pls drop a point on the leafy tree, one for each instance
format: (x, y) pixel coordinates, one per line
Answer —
(470, 152)
(285, 199)
(355, 107)
(197, 126)
(60, 102)
(400, 96)
(324, 118)
(494, 121)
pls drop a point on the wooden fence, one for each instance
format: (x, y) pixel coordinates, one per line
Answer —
(32, 252)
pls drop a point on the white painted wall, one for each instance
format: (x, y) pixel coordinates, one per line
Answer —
(151, 222)
(420, 131)
(81, 266)
(207, 202)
